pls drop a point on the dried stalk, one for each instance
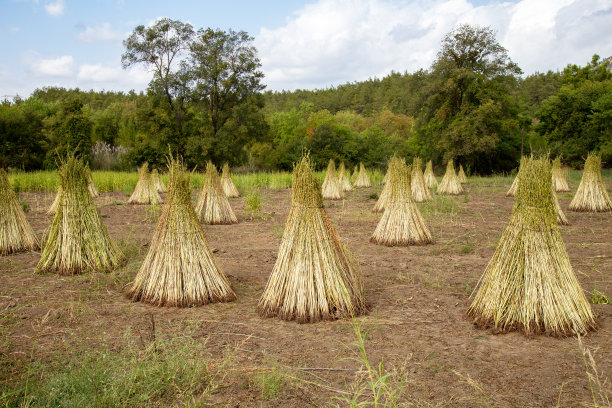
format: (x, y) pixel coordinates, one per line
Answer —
(363, 180)
(144, 192)
(450, 184)
(90, 184)
(512, 191)
(331, 188)
(16, 234)
(343, 179)
(158, 184)
(213, 206)
(180, 269)
(430, 177)
(315, 277)
(559, 182)
(383, 198)
(229, 188)
(591, 195)
(529, 283)
(420, 190)
(461, 175)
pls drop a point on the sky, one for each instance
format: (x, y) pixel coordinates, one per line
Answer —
(301, 44)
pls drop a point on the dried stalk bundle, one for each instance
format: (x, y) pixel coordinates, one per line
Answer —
(401, 223)
(363, 180)
(16, 234)
(158, 184)
(229, 188)
(383, 198)
(213, 206)
(343, 179)
(53, 208)
(315, 277)
(529, 283)
(461, 175)
(430, 177)
(144, 192)
(558, 177)
(450, 184)
(180, 269)
(420, 190)
(355, 174)
(90, 184)
(77, 241)
(331, 188)
(512, 191)
(591, 195)
(561, 218)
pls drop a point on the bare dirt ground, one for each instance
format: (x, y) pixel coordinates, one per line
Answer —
(417, 298)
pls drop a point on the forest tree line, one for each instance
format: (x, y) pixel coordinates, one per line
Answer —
(471, 105)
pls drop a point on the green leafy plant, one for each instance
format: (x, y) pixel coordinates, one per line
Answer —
(253, 205)
(600, 298)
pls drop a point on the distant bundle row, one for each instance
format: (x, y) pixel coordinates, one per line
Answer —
(450, 184)
(213, 206)
(591, 195)
(314, 277)
(179, 269)
(77, 241)
(331, 188)
(529, 283)
(16, 234)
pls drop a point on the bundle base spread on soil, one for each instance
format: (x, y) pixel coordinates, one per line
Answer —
(314, 277)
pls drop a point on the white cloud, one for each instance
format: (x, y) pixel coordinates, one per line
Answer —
(336, 41)
(56, 8)
(100, 33)
(53, 67)
(98, 76)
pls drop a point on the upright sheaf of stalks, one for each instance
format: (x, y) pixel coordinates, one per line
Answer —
(144, 192)
(401, 223)
(512, 191)
(158, 184)
(363, 180)
(430, 177)
(315, 277)
(77, 241)
(355, 174)
(331, 189)
(179, 269)
(53, 208)
(420, 190)
(561, 218)
(591, 195)
(450, 184)
(461, 175)
(383, 198)
(558, 177)
(344, 179)
(90, 183)
(529, 283)
(213, 206)
(16, 234)
(229, 188)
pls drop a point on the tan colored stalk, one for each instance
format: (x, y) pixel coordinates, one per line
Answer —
(529, 284)
(229, 188)
(16, 234)
(180, 268)
(561, 218)
(331, 189)
(450, 184)
(383, 198)
(53, 208)
(344, 179)
(461, 175)
(363, 180)
(213, 206)
(355, 174)
(420, 190)
(591, 195)
(90, 183)
(315, 277)
(158, 184)
(402, 223)
(77, 241)
(558, 177)
(512, 191)
(144, 192)
(430, 177)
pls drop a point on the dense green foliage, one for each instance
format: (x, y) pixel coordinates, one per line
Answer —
(206, 102)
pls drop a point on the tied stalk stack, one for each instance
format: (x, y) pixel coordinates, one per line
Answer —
(402, 223)
(16, 234)
(529, 284)
(383, 199)
(450, 184)
(229, 188)
(179, 269)
(90, 183)
(344, 179)
(331, 189)
(591, 195)
(461, 175)
(363, 180)
(213, 206)
(315, 277)
(420, 190)
(512, 191)
(430, 177)
(77, 241)
(561, 218)
(145, 191)
(558, 177)
(158, 184)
